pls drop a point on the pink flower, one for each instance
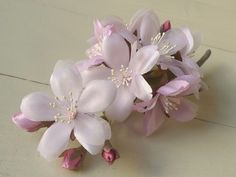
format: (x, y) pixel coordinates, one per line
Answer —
(110, 154)
(73, 109)
(169, 102)
(23, 122)
(73, 158)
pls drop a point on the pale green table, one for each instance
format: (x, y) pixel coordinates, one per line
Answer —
(34, 34)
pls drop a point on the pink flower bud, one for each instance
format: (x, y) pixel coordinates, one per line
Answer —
(23, 122)
(166, 26)
(110, 154)
(73, 158)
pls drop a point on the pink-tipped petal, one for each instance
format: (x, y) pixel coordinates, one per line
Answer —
(36, 107)
(194, 84)
(96, 96)
(55, 140)
(173, 88)
(23, 122)
(186, 111)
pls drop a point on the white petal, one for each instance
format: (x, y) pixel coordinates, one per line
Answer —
(116, 22)
(91, 130)
(144, 60)
(176, 38)
(115, 51)
(121, 108)
(149, 28)
(96, 96)
(96, 73)
(146, 24)
(92, 149)
(36, 107)
(55, 140)
(65, 79)
(197, 40)
(141, 88)
(189, 41)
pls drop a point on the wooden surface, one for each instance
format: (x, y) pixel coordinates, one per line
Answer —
(34, 34)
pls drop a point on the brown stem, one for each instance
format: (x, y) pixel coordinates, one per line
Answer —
(204, 58)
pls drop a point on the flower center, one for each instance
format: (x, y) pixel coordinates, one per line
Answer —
(120, 77)
(68, 115)
(170, 103)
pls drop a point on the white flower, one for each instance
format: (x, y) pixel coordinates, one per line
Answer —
(125, 69)
(74, 108)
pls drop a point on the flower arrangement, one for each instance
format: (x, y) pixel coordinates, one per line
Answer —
(141, 66)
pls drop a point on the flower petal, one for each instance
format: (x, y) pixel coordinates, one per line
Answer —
(35, 107)
(91, 130)
(116, 23)
(194, 84)
(115, 51)
(186, 111)
(92, 149)
(95, 73)
(149, 28)
(65, 79)
(173, 88)
(174, 37)
(144, 60)
(197, 40)
(122, 106)
(55, 140)
(189, 41)
(141, 88)
(172, 64)
(145, 106)
(189, 66)
(85, 64)
(146, 24)
(153, 119)
(96, 96)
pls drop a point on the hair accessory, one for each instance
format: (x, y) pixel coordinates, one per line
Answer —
(142, 66)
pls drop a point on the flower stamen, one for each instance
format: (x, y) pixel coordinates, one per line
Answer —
(121, 77)
(71, 108)
(170, 103)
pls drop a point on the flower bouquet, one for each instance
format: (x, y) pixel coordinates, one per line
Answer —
(142, 66)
